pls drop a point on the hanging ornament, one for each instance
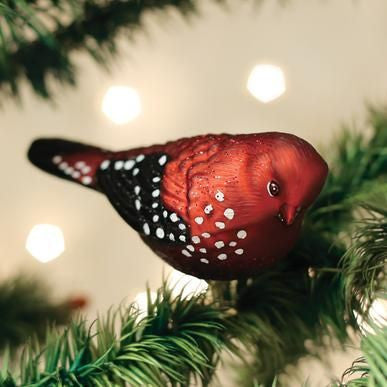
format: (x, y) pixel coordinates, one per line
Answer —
(214, 206)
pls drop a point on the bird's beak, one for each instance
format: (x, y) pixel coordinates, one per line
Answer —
(287, 214)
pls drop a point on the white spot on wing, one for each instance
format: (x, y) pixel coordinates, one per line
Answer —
(80, 164)
(199, 220)
(174, 217)
(56, 159)
(139, 158)
(146, 229)
(204, 260)
(219, 244)
(105, 164)
(190, 248)
(206, 235)
(135, 171)
(69, 170)
(242, 234)
(195, 239)
(182, 238)
(232, 244)
(208, 209)
(86, 169)
(118, 165)
(229, 213)
(239, 251)
(137, 204)
(219, 196)
(156, 179)
(129, 164)
(186, 253)
(160, 233)
(137, 189)
(220, 225)
(155, 218)
(162, 160)
(203, 250)
(222, 257)
(86, 180)
(156, 193)
(182, 226)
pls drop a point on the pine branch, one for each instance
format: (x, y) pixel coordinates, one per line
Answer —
(364, 263)
(37, 39)
(25, 310)
(178, 342)
(279, 310)
(372, 367)
(358, 169)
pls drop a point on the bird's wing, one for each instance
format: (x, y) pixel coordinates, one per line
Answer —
(132, 185)
(219, 195)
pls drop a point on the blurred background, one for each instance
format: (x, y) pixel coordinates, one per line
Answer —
(324, 61)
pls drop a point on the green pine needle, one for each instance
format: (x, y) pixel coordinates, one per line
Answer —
(364, 263)
(37, 39)
(176, 343)
(371, 369)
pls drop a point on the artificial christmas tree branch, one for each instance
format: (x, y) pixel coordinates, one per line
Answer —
(371, 369)
(178, 342)
(364, 263)
(38, 38)
(336, 269)
(358, 167)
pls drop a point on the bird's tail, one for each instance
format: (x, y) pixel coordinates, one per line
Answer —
(68, 160)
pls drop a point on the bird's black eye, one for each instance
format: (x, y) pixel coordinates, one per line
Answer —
(273, 188)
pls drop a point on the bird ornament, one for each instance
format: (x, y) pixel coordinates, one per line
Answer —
(216, 207)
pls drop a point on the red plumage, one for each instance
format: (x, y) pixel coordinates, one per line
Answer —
(214, 206)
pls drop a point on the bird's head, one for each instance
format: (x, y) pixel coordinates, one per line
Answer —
(292, 175)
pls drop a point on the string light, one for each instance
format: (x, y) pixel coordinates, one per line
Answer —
(266, 82)
(121, 104)
(45, 242)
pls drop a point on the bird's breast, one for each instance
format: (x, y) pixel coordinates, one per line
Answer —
(229, 252)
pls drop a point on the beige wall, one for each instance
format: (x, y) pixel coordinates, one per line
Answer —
(191, 78)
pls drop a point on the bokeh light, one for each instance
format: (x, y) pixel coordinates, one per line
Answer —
(377, 316)
(121, 104)
(186, 285)
(45, 242)
(266, 82)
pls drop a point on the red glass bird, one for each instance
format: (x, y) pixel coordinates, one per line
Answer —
(215, 206)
